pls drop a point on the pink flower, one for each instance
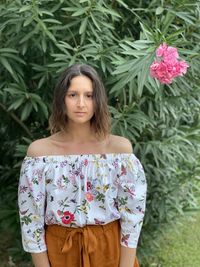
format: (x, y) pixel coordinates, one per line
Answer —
(167, 52)
(89, 196)
(67, 217)
(183, 67)
(167, 66)
(161, 50)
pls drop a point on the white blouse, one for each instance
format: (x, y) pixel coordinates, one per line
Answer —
(79, 190)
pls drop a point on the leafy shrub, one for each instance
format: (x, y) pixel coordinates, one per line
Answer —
(41, 38)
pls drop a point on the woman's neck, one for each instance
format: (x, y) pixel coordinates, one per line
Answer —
(78, 134)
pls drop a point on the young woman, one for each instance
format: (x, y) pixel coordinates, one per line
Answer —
(82, 190)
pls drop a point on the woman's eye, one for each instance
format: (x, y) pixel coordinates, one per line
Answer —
(89, 96)
(71, 95)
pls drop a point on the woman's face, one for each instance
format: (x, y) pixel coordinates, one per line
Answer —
(79, 100)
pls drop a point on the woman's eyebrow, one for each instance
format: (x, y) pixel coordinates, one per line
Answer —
(74, 91)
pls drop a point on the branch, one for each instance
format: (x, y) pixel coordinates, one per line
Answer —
(17, 120)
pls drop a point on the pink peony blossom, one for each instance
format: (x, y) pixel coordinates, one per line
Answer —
(167, 66)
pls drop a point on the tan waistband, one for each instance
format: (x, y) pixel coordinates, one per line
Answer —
(60, 230)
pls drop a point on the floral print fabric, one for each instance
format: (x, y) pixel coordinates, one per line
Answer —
(79, 190)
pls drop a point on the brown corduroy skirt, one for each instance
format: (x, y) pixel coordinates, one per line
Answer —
(89, 246)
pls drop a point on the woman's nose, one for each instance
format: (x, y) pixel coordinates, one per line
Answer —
(81, 101)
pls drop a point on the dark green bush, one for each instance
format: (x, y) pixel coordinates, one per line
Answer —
(41, 38)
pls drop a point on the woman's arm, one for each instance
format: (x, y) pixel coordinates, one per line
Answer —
(127, 257)
(131, 204)
(40, 259)
(32, 202)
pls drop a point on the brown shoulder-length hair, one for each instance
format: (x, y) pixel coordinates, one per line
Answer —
(101, 118)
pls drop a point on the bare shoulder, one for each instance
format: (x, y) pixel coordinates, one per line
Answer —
(120, 144)
(39, 147)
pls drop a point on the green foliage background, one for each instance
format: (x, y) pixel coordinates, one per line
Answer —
(41, 38)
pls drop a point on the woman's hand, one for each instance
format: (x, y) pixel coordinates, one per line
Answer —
(127, 257)
(40, 259)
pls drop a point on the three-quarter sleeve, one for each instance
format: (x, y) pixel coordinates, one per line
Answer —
(131, 200)
(31, 201)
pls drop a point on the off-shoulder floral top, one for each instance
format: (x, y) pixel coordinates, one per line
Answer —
(79, 190)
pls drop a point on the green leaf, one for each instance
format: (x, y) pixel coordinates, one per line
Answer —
(95, 22)
(28, 21)
(186, 17)
(83, 26)
(44, 45)
(126, 67)
(35, 97)
(123, 3)
(44, 109)
(146, 31)
(41, 82)
(69, 8)
(34, 105)
(108, 11)
(50, 35)
(16, 103)
(144, 73)
(167, 22)
(25, 8)
(47, 12)
(26, 111)
(80, 11)
(8, 50)
(16, 58)
(27, 36)
(55, 21)
(6, 64)
(159, 10)
(65, 45)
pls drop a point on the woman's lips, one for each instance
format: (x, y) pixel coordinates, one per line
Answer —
(80, 113)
